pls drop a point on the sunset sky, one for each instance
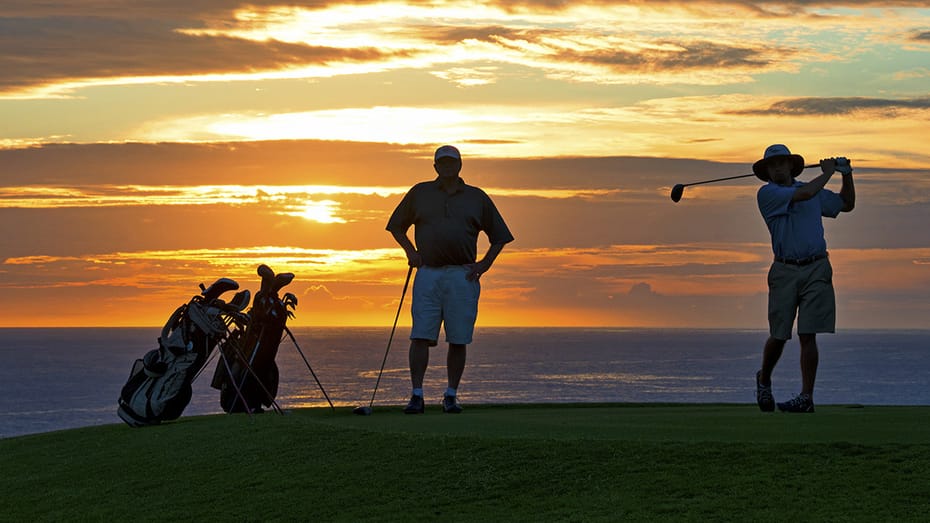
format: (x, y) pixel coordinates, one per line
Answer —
(146, 147)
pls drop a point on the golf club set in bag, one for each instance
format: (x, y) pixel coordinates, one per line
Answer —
(159, 386)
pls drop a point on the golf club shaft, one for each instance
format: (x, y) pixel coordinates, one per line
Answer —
(718, 180)
(391, 338)
(736, 177)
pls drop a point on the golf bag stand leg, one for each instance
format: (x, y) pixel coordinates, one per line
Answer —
(251, 372)
(294, 341)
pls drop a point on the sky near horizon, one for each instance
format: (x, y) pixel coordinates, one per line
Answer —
(146, 147)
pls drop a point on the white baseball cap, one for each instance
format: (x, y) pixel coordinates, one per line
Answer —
(447, 151)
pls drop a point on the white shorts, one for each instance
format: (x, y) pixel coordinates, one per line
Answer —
(442, 296)
(804, 291)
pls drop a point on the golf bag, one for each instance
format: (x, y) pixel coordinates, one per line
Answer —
(159, 385)
(250, 381)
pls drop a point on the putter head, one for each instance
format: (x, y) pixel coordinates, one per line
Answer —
(362, 411)
(677, 191)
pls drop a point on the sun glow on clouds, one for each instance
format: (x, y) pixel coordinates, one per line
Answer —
(468, 77)
(232, 261)
(520, 131)
(350, 26)
(301, 201)
(571, 43)
(609, 269)
(135, 195)
(131, 195)
(376, 124)
(589, 286)
(517, 130)
(66, 89)
(679, 126)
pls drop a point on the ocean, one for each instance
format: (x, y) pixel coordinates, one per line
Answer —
(54, 379)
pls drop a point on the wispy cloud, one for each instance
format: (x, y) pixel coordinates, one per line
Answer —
(149, 52)
(831, 106)
(667, 42)
(310, 202)
(677, 126)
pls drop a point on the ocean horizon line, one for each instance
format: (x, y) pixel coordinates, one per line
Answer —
(482, 327)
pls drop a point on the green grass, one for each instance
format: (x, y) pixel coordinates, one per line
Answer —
(492, 463)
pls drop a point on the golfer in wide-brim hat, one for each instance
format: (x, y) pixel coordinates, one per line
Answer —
(800, 278)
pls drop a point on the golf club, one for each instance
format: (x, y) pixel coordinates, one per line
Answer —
(679, 189)
(366, 411)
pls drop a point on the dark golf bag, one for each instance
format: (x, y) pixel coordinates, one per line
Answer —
(159, 385)
(251, 379)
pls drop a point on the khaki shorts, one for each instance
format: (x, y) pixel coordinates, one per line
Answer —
(442, 296)
(804, 291)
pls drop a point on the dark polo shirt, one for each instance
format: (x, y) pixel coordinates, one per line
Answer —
(447, 225)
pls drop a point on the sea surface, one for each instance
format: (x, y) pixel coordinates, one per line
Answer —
(54, 379)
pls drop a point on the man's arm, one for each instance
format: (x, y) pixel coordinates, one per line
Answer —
(848, 189)
(475, 270)
(413, 256)
(811, 188)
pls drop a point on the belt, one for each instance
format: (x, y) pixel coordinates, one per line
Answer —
(802, 261)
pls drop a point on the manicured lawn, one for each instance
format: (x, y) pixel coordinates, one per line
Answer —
(491, 463)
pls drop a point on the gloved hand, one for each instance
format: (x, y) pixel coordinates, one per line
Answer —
(843, 165)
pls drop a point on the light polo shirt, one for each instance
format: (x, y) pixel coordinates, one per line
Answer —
(797, 227)
(447, 225)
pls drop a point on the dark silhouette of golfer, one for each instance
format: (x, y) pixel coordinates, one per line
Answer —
(447, 216)
(801, 278)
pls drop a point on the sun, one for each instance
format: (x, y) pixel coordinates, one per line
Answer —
(322, 211)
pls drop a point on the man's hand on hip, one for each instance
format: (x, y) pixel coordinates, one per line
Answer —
(475, 270)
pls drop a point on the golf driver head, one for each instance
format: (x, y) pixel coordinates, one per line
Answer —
(362, 411)
(677, 191)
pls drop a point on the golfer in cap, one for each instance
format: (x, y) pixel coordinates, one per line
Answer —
(801, 277)
(447, 216)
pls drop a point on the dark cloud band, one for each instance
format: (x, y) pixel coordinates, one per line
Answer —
(838, 105)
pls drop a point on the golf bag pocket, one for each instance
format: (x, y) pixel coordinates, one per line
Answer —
(150, 397)
(152, 364)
